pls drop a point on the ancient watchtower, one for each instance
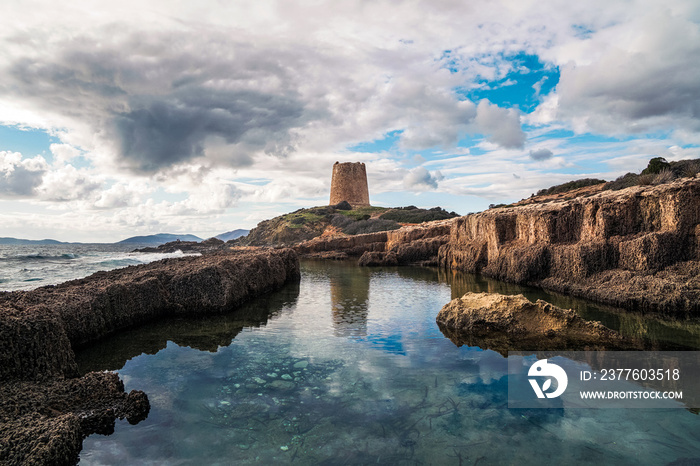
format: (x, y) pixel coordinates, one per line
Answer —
(349, 183)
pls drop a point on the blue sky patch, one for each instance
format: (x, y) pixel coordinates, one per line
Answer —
(378, 145)
(29, 142)
(521, 87)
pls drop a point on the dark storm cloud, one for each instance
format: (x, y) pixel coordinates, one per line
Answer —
(175, 129)
(163, 99)
(541, 154)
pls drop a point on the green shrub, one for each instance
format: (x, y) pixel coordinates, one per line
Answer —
(656, 165)
(413, 214)
(569, 186)
(372, 225)
(341, 221)
(622, 182)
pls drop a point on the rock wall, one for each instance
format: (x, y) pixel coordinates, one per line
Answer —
(46, 409)
(636, 248)
(410, 244)
(349, 183)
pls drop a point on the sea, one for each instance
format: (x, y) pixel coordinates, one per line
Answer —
(25, 267)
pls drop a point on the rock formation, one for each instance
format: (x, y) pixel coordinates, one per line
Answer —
(410, 244)
(46, 409)
(513, 323)
(636, 248)
(349, 183)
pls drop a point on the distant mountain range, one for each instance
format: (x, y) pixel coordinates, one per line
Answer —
(155, 240)
(160, 238)
(6, 240)
(232, 235)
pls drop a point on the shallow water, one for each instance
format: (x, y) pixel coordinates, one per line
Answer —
(349, 367)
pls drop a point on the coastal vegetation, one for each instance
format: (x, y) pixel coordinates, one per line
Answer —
(305, 224)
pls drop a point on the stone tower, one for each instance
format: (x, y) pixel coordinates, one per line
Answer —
(349, 183)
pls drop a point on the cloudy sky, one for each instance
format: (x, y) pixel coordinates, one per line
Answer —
(133, 117)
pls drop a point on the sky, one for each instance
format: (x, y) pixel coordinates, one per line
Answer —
(127, 118)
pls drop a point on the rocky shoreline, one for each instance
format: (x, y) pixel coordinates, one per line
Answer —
(409, 245)
(46, 408)
(637, 248)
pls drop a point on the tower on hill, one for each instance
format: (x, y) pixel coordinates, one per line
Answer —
(349, 183)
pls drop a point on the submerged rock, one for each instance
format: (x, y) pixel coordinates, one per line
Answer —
(513, 323)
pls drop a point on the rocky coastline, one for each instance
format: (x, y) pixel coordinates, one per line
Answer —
(409, 245)
(637, 248)
(47, 408)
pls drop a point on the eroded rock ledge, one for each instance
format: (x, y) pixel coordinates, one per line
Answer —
(513, 323)
(638, 248)
(46, 409)
(410, 244)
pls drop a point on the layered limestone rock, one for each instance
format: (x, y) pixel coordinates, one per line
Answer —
(636, 248)
(410, 244)
(513, 323)
(46, 409)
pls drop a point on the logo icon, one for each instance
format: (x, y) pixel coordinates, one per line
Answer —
(542, 368)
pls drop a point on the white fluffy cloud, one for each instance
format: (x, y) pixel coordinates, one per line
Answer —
(18, 177)
(501, 125)
(193, 109)
(635, 76)
(420, 179)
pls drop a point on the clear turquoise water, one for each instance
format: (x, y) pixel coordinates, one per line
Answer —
(349, 367)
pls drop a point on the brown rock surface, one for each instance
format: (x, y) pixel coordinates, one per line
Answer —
(45, 409)
(410, 244)
(513, 323)
(636, 247)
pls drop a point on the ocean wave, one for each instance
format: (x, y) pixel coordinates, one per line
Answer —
(135, 258)
(40, 257)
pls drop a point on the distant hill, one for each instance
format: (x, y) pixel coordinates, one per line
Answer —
(229, 235)
(160, 238)
(6, 240)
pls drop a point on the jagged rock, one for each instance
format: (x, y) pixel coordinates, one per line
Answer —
(208, 245)
(45, 409)
(513, 323)
(411, 244)
(375, 259)
(624, 248)
(342, 205)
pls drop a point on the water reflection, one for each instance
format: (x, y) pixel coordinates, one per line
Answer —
(204, 333)
(392, 391)
(653, 332)
(350, 302)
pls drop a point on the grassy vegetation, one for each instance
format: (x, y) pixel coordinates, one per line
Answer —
(658, 171)
(362, 213)
(300, 218)
(305, 224)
